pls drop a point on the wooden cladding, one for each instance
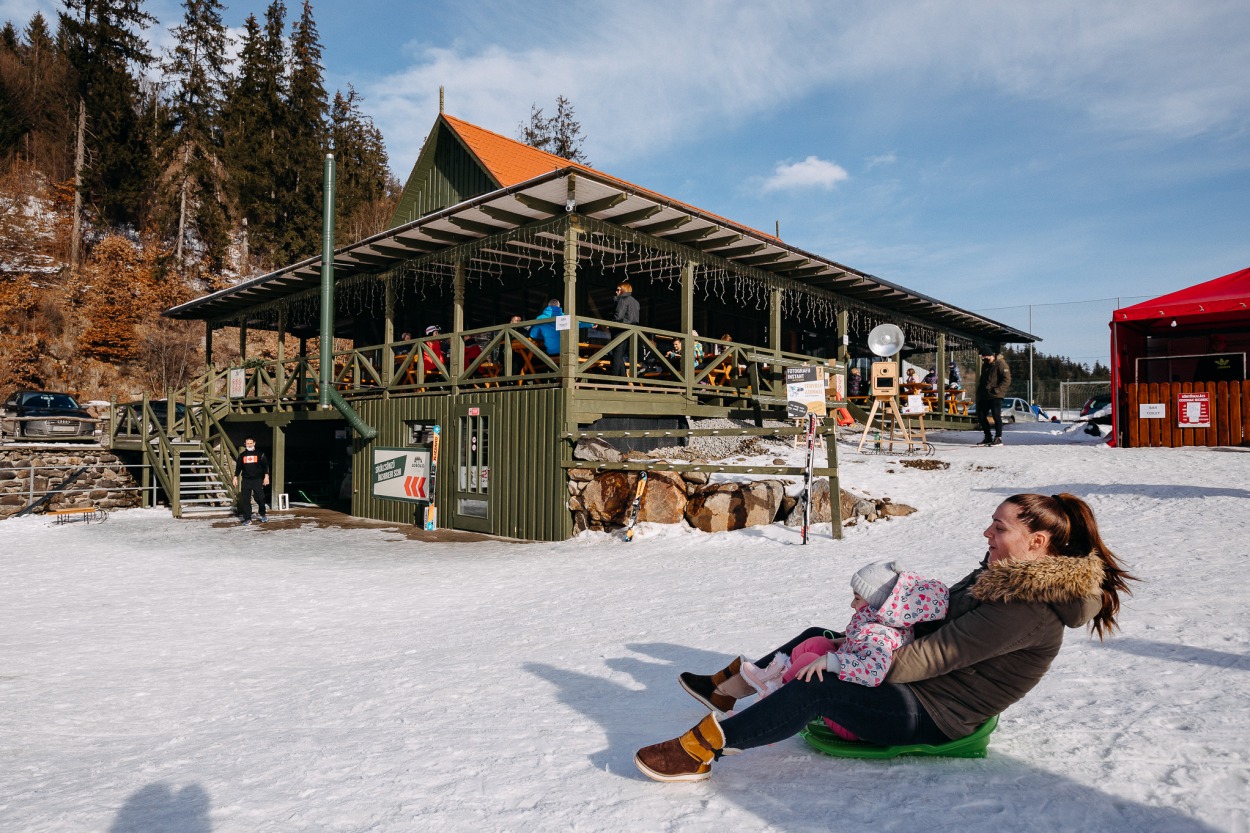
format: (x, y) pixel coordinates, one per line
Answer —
(1230, 415)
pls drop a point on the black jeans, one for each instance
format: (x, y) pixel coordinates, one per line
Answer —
(990, 410)
(888, 715)
(250, 487)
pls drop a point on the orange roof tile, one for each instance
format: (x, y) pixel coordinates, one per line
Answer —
(511, 162)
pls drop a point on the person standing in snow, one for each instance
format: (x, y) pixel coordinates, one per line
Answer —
(992, 384)
(889, 602)
(1046, 569)
(253, 466)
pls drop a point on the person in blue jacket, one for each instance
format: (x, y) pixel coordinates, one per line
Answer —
(545, 332)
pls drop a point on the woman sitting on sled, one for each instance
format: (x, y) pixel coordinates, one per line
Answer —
(1046, 568)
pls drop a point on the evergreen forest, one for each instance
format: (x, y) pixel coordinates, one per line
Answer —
(132, 180)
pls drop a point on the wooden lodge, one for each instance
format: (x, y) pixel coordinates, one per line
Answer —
(487, 232)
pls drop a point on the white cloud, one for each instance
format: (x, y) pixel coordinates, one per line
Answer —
(880, 159)
(812, 172)
(643, 74)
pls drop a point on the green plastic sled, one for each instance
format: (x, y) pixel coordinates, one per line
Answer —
(823, 740)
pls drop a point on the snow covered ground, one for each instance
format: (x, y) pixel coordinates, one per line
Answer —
(163, 675)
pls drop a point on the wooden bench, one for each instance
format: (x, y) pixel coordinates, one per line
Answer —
(86, 514)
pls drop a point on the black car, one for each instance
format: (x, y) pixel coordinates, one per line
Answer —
(43, 415)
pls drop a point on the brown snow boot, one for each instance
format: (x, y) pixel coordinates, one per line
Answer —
(686, 758)
(708, 690)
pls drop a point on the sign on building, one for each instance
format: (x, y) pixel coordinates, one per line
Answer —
(401, 474)
(238, 382)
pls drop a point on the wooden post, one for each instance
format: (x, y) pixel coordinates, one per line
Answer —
(835, 488)
(456, 354)
(774, 320)
(277, 479)
(242, 341)
(687, 326)
(568, 341)
(940, 380)
(388, 333)
(844, 333)
(280, 376)
(208, 345)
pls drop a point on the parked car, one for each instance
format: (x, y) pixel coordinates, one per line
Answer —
(43, 415)
(1095, 404)
(1016, 408)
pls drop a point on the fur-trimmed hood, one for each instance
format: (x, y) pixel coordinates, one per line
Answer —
(1072, 587)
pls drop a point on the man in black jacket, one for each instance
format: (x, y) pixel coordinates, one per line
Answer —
(992, 385)
(253, 466)
(625, 312)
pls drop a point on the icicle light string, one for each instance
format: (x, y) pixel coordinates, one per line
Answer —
(536, 253)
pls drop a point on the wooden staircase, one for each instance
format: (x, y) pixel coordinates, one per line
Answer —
(201, 490)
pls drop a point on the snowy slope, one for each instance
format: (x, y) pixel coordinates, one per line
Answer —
(163, 675)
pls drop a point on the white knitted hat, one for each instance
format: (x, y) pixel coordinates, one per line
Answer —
(874, 582)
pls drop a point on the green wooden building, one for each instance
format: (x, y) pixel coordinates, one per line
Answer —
(437, 314)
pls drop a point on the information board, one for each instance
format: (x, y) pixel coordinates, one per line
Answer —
(401, 474)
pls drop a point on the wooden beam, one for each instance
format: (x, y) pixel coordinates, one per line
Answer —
(449, 236)
(691, 236)
(505, 216)
(730, 254)
(602, 204)
(536, 204)
(665, 225)
(635, 216)
(756, 260)
(473, 225)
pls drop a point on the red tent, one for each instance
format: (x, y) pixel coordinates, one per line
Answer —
(1177, 338)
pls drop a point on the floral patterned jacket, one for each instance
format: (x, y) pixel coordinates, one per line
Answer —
(872, 636)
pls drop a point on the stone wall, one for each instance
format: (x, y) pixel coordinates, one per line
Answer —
(94, 487)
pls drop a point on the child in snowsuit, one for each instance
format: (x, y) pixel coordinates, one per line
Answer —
(889, 601)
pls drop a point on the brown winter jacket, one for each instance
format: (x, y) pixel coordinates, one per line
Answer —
(1004, 627)
(994, 380)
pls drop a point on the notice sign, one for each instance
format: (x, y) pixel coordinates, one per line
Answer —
(913, 405)
(805, 391)
(1152, 410)
(238, 382)
(1193, 410)
(401, 474)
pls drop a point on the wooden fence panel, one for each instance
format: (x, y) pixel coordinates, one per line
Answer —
(1220, 403)
(1236, 414)
(1155, 426)
(1182, 436)
(1132, 418)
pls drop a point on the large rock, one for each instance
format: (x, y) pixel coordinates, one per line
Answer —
(595, 449)
(721, 507)
(664, 499)
(821, 508)
(608, 495)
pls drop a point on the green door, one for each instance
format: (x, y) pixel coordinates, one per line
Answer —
(471, 500)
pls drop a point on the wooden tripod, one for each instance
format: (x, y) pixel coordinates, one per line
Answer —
(896, 421)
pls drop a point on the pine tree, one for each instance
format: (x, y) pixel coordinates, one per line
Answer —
(195, 67)
(102, 45)
(35, 101)
(300, 214)
(560, 135)
(255, 133)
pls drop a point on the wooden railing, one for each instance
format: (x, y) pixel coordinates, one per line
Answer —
(502, 356)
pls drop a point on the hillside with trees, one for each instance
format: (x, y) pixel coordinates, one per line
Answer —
(131, 181)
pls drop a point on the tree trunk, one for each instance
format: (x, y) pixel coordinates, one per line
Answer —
(182, 206)
(80, 154)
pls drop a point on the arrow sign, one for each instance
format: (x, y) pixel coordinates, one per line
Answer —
(402, 474)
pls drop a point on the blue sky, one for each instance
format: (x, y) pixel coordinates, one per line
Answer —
(997, 155)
